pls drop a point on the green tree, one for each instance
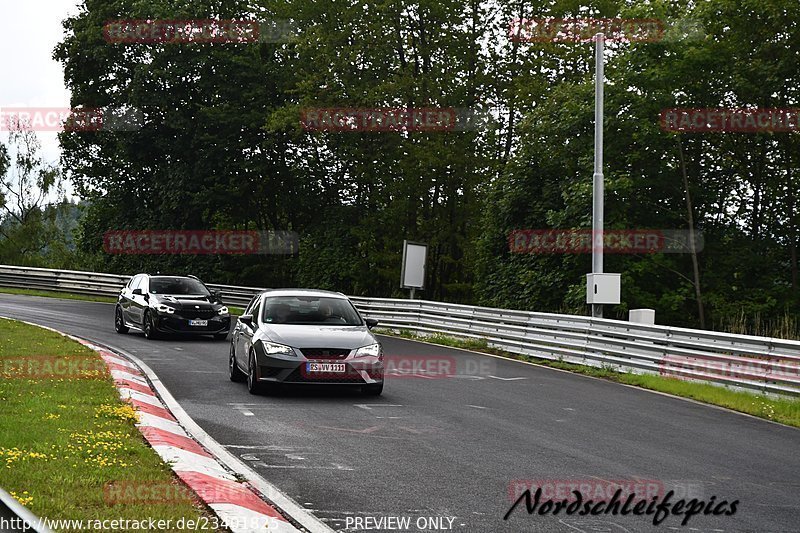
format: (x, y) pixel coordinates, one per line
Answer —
(32, 204)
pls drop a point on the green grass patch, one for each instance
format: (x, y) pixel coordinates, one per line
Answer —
(67, 441)
(782, 410)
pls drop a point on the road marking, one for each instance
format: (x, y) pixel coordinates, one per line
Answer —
(506, 379)
(477, 406)
(267, 448)
(245, 412)
(369, 406)
(412, 430)
(372, 429)
(405, 374)
(335, 466)
(568, 409)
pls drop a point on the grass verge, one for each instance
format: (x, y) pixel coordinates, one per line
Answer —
(235, 311)
(782, 410)
(68, 445)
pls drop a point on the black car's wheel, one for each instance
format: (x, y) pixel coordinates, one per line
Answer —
(149, 328)
(221, 336)
(119, 322)
(253, 386)
(236, 375)
(372, 390)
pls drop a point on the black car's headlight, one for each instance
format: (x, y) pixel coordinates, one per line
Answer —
(161, 308)
(372, 350)
(273, 348)
(222, 310)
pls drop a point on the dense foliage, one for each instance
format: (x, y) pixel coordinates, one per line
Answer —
(221, 147)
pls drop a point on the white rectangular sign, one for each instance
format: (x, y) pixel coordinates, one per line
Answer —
(414, 256)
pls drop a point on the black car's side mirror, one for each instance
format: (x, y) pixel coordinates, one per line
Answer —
(371, 323)
(247, 320)
(215, 295)
(137, 292)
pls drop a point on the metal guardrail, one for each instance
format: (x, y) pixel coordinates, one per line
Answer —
(756, 363)
(96, 284)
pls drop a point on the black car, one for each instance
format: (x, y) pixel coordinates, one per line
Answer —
(171, 304)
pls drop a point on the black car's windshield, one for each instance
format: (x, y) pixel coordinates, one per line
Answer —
(311, 310)
(177, 286)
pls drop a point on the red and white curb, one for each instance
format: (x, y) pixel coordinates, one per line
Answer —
(203, 464)
(236, 504)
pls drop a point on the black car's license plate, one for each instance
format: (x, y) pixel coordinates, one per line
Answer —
(198, 322)
(326, 367)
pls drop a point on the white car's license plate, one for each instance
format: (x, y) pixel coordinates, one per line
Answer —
(325, 367)
(198, 322)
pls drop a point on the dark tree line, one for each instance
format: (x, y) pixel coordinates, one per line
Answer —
(222, 147)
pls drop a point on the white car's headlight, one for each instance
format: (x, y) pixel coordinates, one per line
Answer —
(161, 308)
(222, 310)
(272, 348)
(373, 350)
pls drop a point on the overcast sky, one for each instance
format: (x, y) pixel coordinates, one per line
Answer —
(29, 77)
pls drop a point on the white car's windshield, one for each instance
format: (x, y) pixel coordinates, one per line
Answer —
(310, 310)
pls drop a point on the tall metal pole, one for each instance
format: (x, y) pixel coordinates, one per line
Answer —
(597, 179)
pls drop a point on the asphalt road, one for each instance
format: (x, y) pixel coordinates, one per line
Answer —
(451, 447)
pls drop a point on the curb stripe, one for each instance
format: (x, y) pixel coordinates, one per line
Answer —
(218, 491)
(159, 437)
(183, 461)
(108, 356)
(128, 394)
(146, 419)
(153, 410)
(117, 374)
(138, 387)
(121, 368)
